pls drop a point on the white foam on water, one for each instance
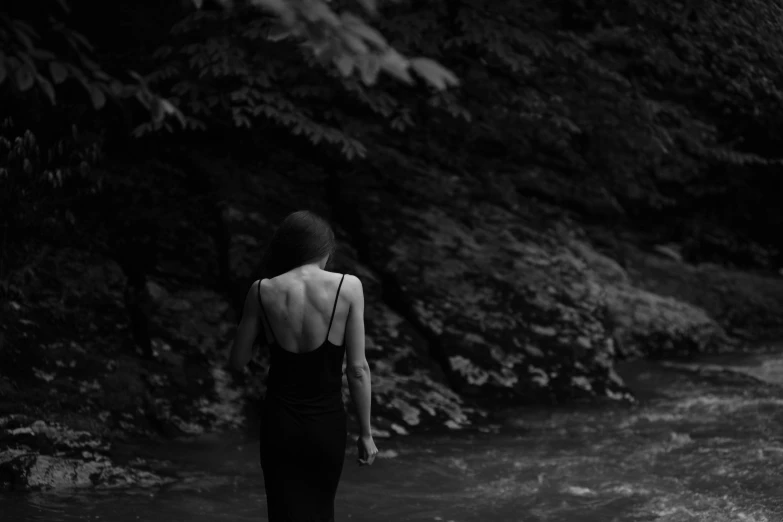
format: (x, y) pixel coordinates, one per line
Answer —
(579, 491)
(628, 490)
(387, 454)
(503, 489)
(651, 417)
(728, 404)
(701, 508)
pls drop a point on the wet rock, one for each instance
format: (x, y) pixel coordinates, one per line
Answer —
(653, 325)
(408, 390)
(645, 323)
(41, 455)
(603, 268)
(512, 311)
(29, 471)
(745, 304)
(513, 307)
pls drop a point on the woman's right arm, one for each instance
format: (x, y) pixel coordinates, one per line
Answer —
(357, 368)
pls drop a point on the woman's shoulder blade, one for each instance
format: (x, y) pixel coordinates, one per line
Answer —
(352, 289)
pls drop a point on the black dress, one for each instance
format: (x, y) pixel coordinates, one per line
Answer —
(303, 430)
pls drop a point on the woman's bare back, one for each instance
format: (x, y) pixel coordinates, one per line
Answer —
(299, 305)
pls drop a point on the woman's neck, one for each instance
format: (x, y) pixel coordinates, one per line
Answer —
(308, 268)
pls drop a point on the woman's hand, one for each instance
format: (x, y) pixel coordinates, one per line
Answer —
(367, 450)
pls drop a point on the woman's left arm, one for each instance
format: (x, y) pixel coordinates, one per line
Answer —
(247, 331)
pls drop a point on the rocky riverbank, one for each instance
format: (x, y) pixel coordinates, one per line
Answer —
(472, 303)
(701, 444)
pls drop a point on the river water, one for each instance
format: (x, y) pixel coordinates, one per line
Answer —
(703, 444)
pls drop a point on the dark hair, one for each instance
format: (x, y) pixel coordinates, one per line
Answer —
(303, 237)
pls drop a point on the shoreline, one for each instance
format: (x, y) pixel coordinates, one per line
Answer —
(40, 455)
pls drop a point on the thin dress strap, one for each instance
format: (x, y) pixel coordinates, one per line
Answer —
(264, 312)
(334, 308)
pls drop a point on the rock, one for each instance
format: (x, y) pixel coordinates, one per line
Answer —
(28, 471)
(407, 393)
(603, 268)
(512, 305)
(648, 324)
(739, 301)
(514, 314)
(156, 291)
(42, 455)
(653, 325)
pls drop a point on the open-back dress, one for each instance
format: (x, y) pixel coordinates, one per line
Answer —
(303, 429)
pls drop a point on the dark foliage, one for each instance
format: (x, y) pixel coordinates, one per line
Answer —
(665, 116)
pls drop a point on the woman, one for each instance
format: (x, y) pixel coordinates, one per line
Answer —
(312, 317)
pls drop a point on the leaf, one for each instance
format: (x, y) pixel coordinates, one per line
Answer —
(46, 87)
(97, 96)
(157, 109)
(41, 54)
(117, 88)
(58, 72)
(25, 77)
(26, 58)
(369, 66)
(356, 25)
(277, 33)
(318, 11)
(277, 6)
(168, 107)
(22, 36)
(64, 6)
(198, 3)
(438, 76)
(281, 8)
(354, 43)
(141, 130)
(371, 6)
(136, 76)
(77, 73)
(345, 64)
(326, 54)
(90, 64)
(181, 117)
(395, 64)
(77, 39)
